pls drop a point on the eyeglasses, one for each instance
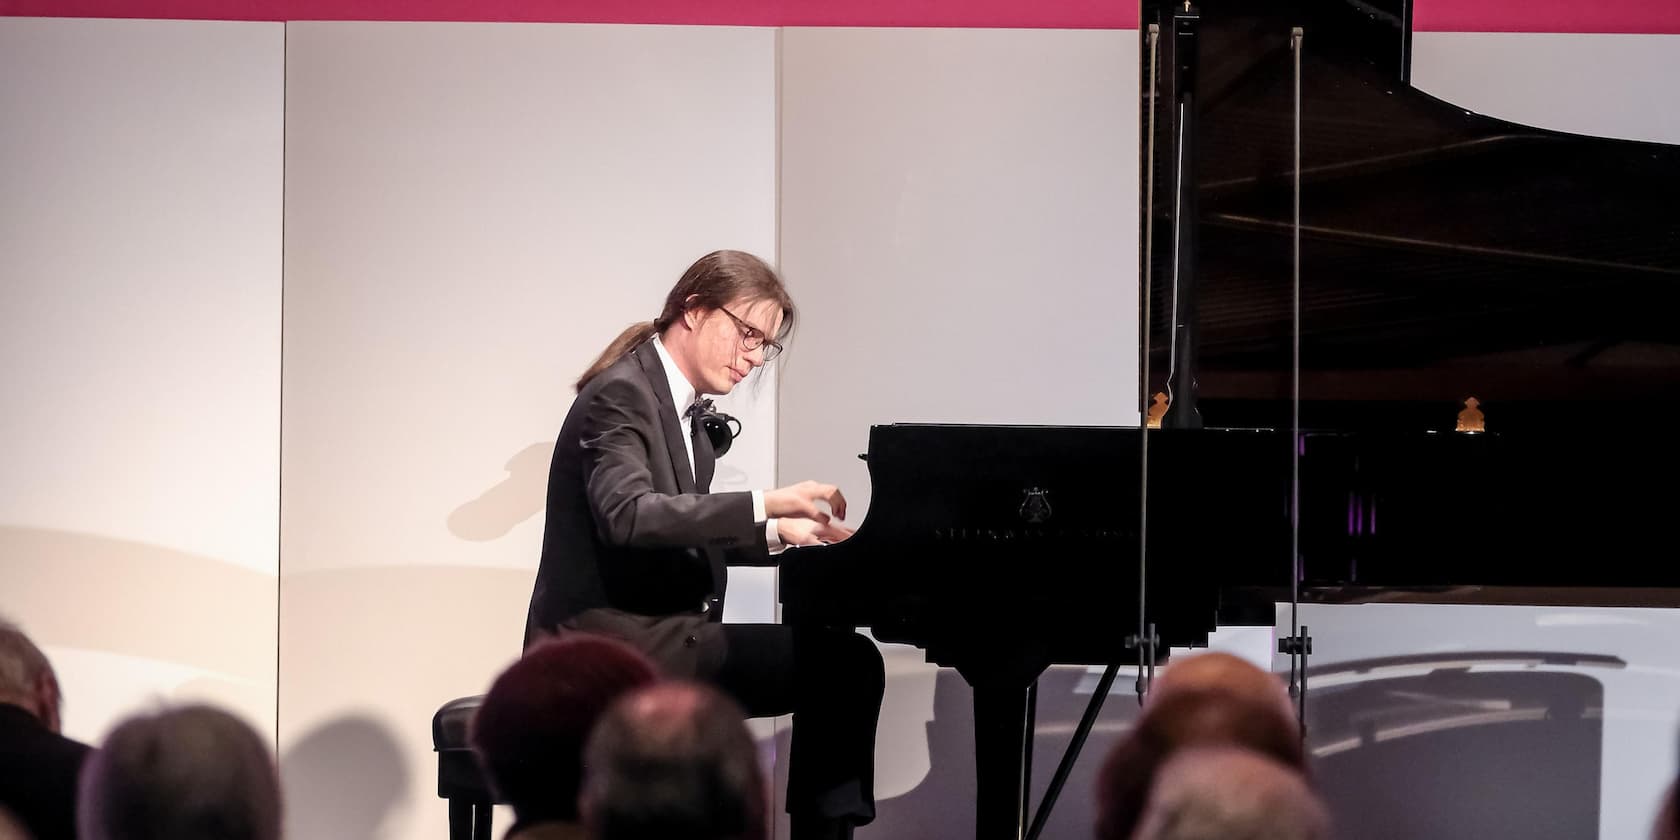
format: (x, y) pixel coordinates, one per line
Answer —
(753, 338)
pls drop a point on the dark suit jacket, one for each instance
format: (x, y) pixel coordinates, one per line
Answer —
(38, 771)
(633, 545)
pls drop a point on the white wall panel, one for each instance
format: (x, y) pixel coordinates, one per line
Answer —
(960, 230)
(472, 213)
(1604, 85)
(1623, 655)
(140, 358)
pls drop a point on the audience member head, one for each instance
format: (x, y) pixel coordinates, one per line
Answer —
(189, 773)
(530, 730)
(10, 828)
(1215, 669)
(1228, 793)
(1667, 826)
(673, 761)
(1193, 716)
(26, 678)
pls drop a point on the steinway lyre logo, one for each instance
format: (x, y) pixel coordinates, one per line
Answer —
(1035, 508)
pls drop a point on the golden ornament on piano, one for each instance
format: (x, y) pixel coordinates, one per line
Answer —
(1158, 410)
(1470, 419)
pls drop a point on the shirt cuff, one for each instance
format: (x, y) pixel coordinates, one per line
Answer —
(772, 538)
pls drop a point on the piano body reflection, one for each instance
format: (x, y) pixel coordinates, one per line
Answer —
(1000, 550)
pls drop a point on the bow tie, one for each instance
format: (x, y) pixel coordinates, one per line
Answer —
(698, 408)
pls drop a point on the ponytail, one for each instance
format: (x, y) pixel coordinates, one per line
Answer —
(628, 340)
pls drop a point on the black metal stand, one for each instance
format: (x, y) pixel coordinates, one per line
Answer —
(1005, 700)
(1086, 721)
(1145, 647)
(1298, 648)
(1298, 644)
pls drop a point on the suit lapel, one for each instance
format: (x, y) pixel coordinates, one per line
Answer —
(670, 424)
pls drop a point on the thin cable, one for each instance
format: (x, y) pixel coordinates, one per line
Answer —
(1297, 653)
(1143, 378)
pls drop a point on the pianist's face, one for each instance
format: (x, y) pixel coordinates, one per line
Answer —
(721, 358)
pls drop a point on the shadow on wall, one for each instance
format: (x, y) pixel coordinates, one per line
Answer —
(942, 804)
(345, 779)
(517, 498)
(123, 588)
(390, 644)
(128, 621)
(1493, 754)
(1497, 754)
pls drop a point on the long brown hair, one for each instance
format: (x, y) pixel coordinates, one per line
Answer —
(712, 282)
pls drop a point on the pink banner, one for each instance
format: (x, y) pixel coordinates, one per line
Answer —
(1028, 14)
(1657, 17)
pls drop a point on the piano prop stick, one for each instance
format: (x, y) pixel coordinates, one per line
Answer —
(1298, 644)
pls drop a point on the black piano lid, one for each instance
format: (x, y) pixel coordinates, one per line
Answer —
(1445, 254)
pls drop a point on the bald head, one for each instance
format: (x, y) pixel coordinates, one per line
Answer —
(1228, 793)
(667, 716)
(1215, 670)
(26, 678)
(673, 760)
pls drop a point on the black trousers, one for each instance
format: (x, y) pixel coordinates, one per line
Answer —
(831, 680)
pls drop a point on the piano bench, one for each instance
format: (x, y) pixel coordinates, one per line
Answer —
(460, 781)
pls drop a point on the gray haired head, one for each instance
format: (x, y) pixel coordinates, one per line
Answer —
(190, 773)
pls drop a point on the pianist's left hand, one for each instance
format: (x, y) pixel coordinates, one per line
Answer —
(799, 531)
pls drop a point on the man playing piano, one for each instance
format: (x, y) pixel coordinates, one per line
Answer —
(634, 545)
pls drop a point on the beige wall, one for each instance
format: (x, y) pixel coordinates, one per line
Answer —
(959, 220)
(960, 224)
(140, 358)
(1602, 85)
(472, 213)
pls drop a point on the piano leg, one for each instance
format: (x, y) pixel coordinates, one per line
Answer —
(1002, 740)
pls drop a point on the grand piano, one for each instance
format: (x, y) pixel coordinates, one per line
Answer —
(1443, 256)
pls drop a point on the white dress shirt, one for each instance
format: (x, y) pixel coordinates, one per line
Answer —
(683, 395)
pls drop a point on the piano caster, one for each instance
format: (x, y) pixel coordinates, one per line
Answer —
(1298, 647)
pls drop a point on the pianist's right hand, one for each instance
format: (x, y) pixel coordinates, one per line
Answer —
(800, 500)
(792, 530)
